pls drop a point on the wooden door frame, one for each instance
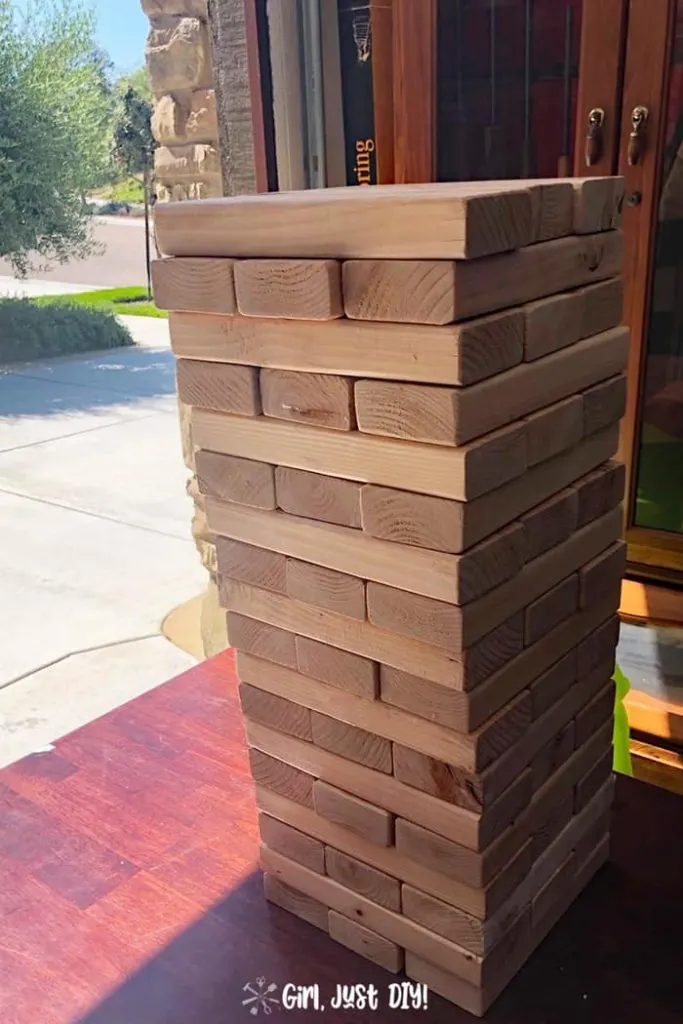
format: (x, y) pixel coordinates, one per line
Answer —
(414, 92)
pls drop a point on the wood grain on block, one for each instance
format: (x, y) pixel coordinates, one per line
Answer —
(414, 519)
(255, 637)
(551, 523)
(552, 608)
(546, 899)
(451, 578)
(197, 283)
(239, 480)
(600, 644)
(276, 712)
(326, 588)
(600, 491)
(445, 221)
(595, 714)
(415, 412)
(554, 429)
(257, 566)
(368, 881)
(604, 403)
(481, 903)
(219, 386)
(550, 686)
(318, 399)
(292, 843)
(293, 289)
(351, 742)
(379, 791)
(597, 204)
(553, 755)
(400, 291)
(452, 859)
(591, 783)
(470, 751)
(373, 823)
(561, 320)
(282, 778)
(453, 924)
(315, 496)
(297, 903)
(365, 942)
(457, 354)
(599, 576)
(462, 473)
(338, 668)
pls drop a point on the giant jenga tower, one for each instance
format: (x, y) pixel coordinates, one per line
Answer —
(405, 403)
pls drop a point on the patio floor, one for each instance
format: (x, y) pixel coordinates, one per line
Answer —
(129, 889)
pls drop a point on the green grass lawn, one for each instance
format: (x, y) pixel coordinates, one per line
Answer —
(125, 301)
(129, 190)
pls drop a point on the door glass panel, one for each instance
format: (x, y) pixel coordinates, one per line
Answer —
(659, 489)
(507, 76)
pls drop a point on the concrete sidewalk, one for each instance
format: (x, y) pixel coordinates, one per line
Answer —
(95, 544)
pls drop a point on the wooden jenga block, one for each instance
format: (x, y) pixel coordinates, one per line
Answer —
(592, 839)
(365, 942)
(314, 398)
(357, 815)
(219, 386)
(598, 711)
(293, 289)
(375, 885)
(282, 778)
(550, 686)
(553, 890)
(553, 755)
(591, 783)
(549, 524)
(195, 283)
(260, 638)
(554, 429)
(599, 576)
(598, 646)
(412, 411)
(447, 221)
(600, 490)
(295, 902)
(604, 403)
(597, 204)
(257, 566)
(276, 712)
(552, 825)
(292, 843)
(561, 320)
(314, 496)
(459, 354)
(351, 742)
(326, 588)
(239, 480)
(415, 519)
(548, 611)
(337, 667)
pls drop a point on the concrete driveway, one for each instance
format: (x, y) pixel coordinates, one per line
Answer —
(95, 545)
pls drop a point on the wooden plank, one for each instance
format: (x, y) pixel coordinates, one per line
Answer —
(253, 565)
(330, 665)
(219, 386)
(295, 902)
(604, 403)
(481, 903)
(418, 520)
(657, 765)
(597, 204)
(551, 523)
(292, 843)
(446, 221)
(561, 320)
(276, 712)
(553, 755)
(326, 588)
(459, 354)
(598, 711)
(552, 608)
(599, 491)
(351, 742)
(602, 574)
(450, 578)
(242, 481)
(373, 823)
(470, 751)
(315, 398)
(315, 496)
(365, 942)
(248, 634)
(282, 778)
(546, 899)
(196, 283)
(372, 290)
(368, 881)
(554, 429)
(414, 66)
(462, 473)
(292, 289)
(550, 686)
(593, 781)
(599, 645)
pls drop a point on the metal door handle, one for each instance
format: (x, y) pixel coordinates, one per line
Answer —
(637, 138)
(594, 139)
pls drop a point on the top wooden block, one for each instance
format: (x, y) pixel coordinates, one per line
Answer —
(436, 221)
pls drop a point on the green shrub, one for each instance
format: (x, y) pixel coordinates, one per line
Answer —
(29, 331)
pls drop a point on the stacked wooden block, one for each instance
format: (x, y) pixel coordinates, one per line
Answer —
(405, 403)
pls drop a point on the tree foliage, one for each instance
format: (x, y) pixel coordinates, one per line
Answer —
(56, 104)
(133, 140)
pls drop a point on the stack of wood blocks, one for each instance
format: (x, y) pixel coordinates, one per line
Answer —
(405, 402)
